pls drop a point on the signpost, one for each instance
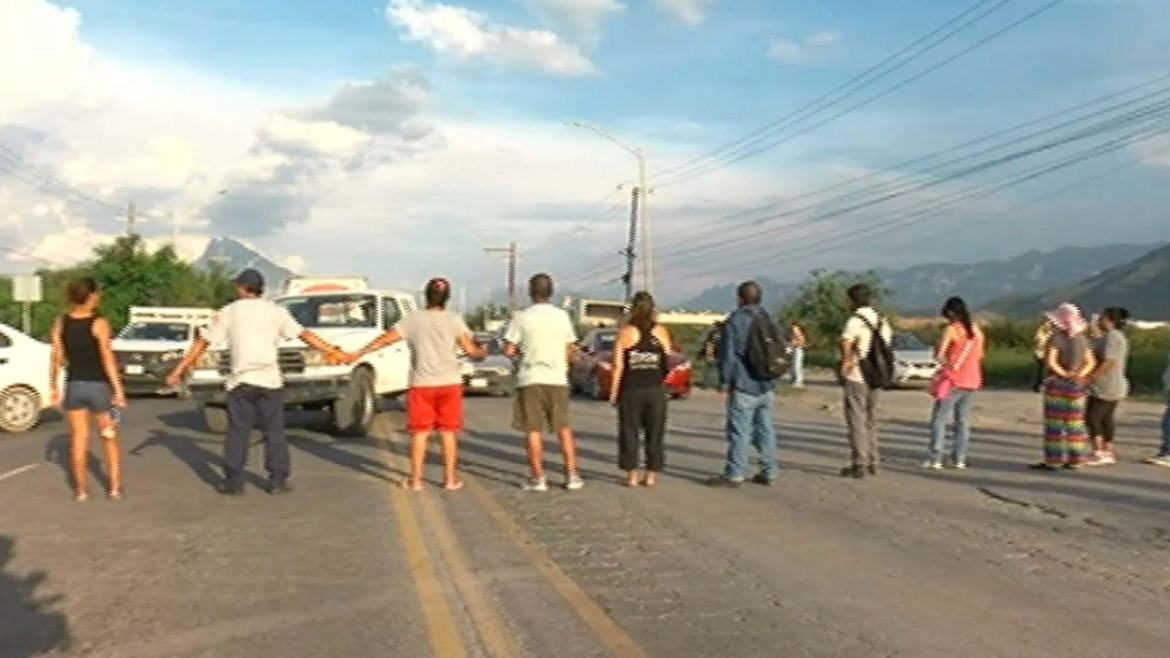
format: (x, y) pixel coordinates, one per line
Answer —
(26, 289)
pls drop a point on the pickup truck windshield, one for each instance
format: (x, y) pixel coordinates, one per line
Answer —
(177, 333)
(340, 310)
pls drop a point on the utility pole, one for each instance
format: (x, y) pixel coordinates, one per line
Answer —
(512, 255)
(631, 242)
(643, 224)
(643, 193)
(131, 217)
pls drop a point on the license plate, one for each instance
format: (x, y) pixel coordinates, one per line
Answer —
(479, 382)
(134, 370)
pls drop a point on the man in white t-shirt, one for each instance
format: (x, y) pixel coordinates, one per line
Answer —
(860, 399)
(541, 339)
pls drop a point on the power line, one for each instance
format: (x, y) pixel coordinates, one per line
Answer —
(13, 163)
(1076, 185)
(765, 144)
(716, 226)
(826, 98)
(1156, 110)
(909, 184)
(902, 220)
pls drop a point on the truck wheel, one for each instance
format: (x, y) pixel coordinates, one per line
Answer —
(20, 409)
(215, 419)
(354, 410)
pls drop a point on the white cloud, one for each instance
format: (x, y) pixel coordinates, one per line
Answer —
(369, 177)
(41, 57)
(582, 17)
(462, 34)
(324, 138)
(691, 12)
(792, 51)
(1154, 152)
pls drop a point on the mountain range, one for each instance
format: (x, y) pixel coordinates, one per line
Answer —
(233, 256)
(923, 287)
(1142, 286)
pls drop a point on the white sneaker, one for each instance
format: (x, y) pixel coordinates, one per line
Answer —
(932, 465)
(1158, 460)
(961, 465)
(535, 484)
(1104, 459)
(574, 483)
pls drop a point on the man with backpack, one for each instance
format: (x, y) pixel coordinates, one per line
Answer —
(751, 357)
(867, 366)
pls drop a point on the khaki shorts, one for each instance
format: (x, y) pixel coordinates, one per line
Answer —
(539, 407)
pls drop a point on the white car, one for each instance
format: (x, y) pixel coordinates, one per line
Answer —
(913, 360)
(151, 343)
(24, 380)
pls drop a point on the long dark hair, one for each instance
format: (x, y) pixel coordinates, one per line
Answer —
(955, 310)
(1117, 316)
(642, 311)
(79, 290)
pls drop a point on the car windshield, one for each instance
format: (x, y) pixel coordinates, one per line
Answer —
(155, 331)
(909, 343)
(606, 341)
(340, 310)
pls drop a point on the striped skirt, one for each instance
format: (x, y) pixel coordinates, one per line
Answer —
(1065, 435)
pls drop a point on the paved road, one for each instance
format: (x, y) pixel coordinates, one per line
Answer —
(997, 561)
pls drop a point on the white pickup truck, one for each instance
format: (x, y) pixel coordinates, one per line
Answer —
(152, 341)
(345, 312)
(24, 380)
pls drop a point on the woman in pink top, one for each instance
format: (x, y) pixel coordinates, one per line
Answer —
(960, 355)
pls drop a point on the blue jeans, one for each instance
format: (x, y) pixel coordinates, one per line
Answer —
(1165, 451)
(749, 420)
(958, 404)
(798, 366)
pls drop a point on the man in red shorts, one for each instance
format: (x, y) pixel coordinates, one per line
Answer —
(435, 399)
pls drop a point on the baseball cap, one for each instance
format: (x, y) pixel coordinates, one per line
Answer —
(250, 278)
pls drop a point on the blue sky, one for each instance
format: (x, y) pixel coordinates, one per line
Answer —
(676, 83)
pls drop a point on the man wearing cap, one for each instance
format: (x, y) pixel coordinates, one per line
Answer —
(434, 401)
(252, 329)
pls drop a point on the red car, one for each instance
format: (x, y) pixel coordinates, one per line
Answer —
(592, 369)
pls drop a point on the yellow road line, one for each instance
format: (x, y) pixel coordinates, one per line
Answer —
(497, 641)
(605, 629)
(446, 640)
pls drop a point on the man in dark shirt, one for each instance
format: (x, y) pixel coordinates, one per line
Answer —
(749, 400)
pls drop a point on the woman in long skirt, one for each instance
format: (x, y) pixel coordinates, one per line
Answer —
(1068, 361)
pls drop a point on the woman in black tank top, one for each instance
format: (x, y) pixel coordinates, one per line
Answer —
(93, 385)
(638, 391)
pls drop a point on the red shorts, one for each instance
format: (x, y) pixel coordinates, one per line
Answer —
(435, 408)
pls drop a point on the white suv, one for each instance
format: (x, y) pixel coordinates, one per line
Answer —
(348, 319)
(24, 380)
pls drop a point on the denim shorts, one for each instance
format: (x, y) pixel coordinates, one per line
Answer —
(94, 396)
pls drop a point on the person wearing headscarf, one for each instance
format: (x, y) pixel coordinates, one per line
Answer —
(1068, 361)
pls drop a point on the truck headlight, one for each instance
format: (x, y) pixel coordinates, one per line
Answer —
(314, 358)
(209, 360)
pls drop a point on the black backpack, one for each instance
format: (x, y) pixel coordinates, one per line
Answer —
(877, 367)
(766, 356)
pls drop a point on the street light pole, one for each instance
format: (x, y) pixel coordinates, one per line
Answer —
(643, 225)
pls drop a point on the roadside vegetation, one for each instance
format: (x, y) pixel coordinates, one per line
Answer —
(130, 275)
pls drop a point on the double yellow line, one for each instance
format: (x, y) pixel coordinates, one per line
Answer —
(446, 637)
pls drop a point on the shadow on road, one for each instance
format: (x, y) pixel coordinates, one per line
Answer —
(57, 452)
(29, 623)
